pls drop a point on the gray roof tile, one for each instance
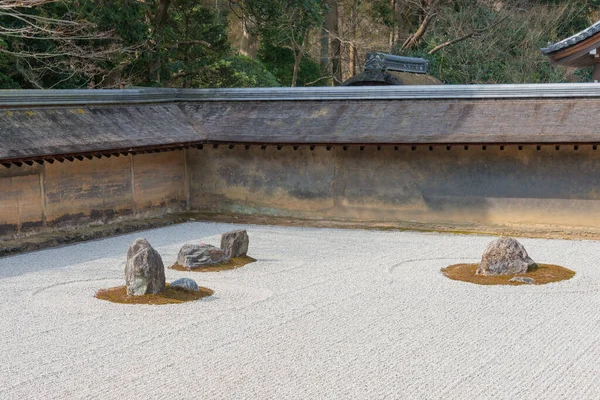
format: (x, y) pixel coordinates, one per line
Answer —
(572, 40)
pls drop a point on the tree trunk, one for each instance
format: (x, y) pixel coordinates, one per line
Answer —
(160, 19)
(353, 60)
(332, 23)
(324, 48)
(298, 58)
(249, 45)
(392, 37)
(403, 25)
(352, 64)
(415, 37)
(162, 14)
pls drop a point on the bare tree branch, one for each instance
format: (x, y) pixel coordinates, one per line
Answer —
(414, 38)
(75, 45)
(12, 4)
(465, 37)
(189, 43)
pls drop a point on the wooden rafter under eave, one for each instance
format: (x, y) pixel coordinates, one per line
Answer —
(578, 51)
(577, 55)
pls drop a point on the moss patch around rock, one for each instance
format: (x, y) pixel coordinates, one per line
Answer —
(170, 296)
(546, 273)
(236, 262)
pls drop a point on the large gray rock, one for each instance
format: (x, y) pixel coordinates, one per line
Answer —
(200, 255)
(505, 256)
(235, 243)
(144, 270)
(186, 283)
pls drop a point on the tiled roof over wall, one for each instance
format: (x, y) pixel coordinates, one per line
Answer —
(398, 121)
(39, 125)
(38, 132)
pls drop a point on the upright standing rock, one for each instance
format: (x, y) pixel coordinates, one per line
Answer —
(505, 256)
(235, 243)
(144, 271)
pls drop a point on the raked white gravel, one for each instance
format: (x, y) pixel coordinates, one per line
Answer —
(323, 314)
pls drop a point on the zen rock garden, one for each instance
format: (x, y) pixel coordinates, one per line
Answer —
(145, 271)
(506, 262)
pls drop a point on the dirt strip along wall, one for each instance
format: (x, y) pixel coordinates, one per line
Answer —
(528, 186)
(79, 192)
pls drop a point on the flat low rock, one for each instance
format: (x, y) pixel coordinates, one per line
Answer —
(235, 243)
(186, 283)
(200, 255)
(505, 256)
(144, 270)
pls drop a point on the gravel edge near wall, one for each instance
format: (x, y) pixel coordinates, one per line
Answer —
(48, 237)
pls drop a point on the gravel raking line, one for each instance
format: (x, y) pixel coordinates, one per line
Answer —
(323, 313)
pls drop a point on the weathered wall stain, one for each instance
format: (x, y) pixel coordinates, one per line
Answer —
(20, 200)
(447, 185)
(262, 178)
(79, 192)
(159, 180)
(80, 187)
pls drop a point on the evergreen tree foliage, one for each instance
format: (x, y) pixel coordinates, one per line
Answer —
(236, 71)
(280, 62)
(189, 43)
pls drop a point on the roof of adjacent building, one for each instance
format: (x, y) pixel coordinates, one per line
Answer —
(391, 62)
(576, 51)
(386, 69)
(384, 78)
(572, 40)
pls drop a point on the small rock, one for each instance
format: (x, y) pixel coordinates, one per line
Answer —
(235, 243)
(195, 256)
(186, 283)
(522, 279)
(144, 270)
(505, 256)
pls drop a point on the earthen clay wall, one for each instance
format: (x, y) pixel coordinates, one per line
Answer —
(77, 192)
(473, 185)
(509, 186)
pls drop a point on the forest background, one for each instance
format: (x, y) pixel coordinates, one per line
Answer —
(263, 43)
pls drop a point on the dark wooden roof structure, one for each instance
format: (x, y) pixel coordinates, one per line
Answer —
(386, 69)
(45, 126)
(384, 78)
(579, 50)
